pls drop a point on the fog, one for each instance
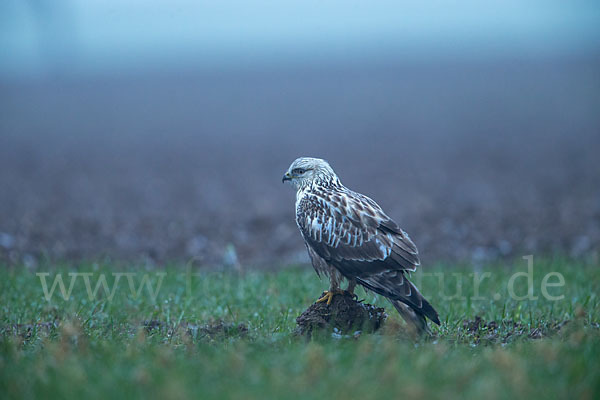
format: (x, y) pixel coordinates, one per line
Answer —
(162, 135)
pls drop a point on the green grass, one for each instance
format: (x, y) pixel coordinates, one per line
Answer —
(230, 335)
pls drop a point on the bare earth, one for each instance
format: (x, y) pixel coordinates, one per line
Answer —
(475, 161)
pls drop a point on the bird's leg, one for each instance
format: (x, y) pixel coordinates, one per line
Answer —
(334, 287)
(351, 286)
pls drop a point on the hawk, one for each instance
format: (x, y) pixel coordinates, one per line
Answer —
(348, 236)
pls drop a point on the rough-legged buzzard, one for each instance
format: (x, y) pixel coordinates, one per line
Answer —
(349, 236)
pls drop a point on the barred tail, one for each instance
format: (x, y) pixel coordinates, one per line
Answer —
(415, 320)
(404, 296)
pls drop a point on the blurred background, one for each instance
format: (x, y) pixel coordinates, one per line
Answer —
(156, 131)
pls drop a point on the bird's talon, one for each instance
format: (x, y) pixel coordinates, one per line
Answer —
(328, 296)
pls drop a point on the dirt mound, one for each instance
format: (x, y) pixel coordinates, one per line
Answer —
(481, 331)
(345, 315)
(210, 331)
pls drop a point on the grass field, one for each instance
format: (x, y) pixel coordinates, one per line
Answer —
(231, 335)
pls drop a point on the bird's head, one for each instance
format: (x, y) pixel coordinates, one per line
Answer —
(305, 171)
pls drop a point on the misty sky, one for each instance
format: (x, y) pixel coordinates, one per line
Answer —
(100, 36)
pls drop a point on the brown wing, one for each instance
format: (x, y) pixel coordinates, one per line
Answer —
(351, 232)
(347, 226)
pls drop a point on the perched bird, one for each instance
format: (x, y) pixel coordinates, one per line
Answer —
(348, 236)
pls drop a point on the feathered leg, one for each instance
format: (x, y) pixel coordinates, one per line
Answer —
(351, 286)
(334, 286)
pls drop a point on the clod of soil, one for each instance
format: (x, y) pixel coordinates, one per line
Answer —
(343, 316)
(215, 330)
(218, 329)
(482, 331)
(26, 331)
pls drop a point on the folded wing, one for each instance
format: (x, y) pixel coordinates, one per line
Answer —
(351, 232)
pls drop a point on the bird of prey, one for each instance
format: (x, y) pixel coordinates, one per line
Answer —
(348, 236)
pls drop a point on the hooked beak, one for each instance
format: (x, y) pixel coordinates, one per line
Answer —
(286, 177)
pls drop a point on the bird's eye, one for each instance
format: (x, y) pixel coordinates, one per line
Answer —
(298, 171)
